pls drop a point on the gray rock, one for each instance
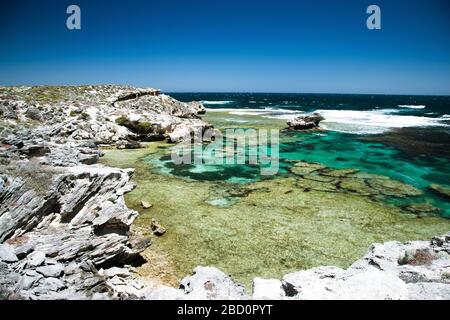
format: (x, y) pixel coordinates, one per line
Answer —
(429, 291)
(7, 253)
(115, 271)
(36, 259)
(209, 283)
(48, 285)
(29, 279)
(23, 250)
(55, 270)
(306, 122)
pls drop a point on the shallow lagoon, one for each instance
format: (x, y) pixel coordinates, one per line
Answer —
(273, 226)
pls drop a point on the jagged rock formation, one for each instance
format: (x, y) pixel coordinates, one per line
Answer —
(94, 113)
(306, 122)
(63, 218)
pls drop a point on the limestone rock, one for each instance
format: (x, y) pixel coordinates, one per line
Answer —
(51, 270)
(36, 259)
(267, 289)
(7, 253)
(157, 229)
(305, 122)
(146, 205)
(208, 283)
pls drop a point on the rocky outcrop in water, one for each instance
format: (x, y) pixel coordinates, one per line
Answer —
(306, 122)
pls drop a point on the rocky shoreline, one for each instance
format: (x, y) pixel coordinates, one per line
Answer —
(65, 228)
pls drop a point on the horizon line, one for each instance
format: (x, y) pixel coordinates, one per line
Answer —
(233, 92)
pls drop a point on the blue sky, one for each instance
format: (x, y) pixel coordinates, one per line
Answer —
(257, 46)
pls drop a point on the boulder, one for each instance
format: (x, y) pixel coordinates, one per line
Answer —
(306, 122)
(158, 230)
(7, 253)
(36, 259)
(208, 283)
(267, 289)
(146, 205)
(54, 270)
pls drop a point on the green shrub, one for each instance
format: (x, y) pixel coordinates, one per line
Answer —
(84, 116)
(122, 120)
(135, 126)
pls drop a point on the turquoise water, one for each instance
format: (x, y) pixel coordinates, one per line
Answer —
(406, 138)
(335, 150)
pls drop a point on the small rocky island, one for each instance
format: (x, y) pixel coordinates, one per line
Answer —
(65, 228)
(306, 122)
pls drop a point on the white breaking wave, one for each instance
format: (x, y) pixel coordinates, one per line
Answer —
(372, 122)
(268, 112)
(216, 102)
(348, 121)
(412, 106)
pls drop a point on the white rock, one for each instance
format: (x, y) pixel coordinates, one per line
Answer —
(372, 285)
(51, 271)
(7, 253)
(208, 283)
(267, 289)
(115, 271)
(429, 291)
(36, 259)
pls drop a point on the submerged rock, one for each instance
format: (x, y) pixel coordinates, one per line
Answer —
(358, 186)
(422, 208)
(158, 230)
(302, 168)
(146, 205)
(394, 188)
(440, 190)
(339, 173)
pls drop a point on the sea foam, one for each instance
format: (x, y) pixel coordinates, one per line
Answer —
(348, 121)
(412, 106)
(216, 102)
(372, 122)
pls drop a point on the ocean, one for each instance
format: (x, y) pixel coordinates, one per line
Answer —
(406, 138)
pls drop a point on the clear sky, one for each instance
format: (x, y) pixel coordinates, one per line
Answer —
(230, 45)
